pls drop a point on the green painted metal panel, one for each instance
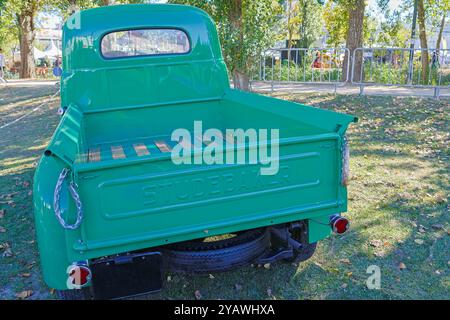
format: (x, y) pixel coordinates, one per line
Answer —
(318, 228)
(134, 201)
(101, 83)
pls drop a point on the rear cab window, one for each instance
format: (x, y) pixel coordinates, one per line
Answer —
(144, 42)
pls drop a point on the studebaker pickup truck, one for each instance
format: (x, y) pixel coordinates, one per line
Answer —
(157, 164)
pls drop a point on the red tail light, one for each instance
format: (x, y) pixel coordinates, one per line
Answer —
(80, 275)
(339, 224)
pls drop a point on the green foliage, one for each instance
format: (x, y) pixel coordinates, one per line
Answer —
(299, 69)
(293, 20)
(336, 17)
(65, 7)
(392, 68)
(434, 9)
(8, 27)
(297, 73)
(393, 32)
(243, 38)
(311, 21)
(336, 22)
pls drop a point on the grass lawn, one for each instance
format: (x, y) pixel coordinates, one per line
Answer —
(398, 207)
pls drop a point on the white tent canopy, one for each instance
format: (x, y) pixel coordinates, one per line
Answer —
(51, 52)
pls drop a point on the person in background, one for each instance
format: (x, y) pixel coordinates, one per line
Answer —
(317, 61)
(2, 63)
(434, 60)
(57, 62)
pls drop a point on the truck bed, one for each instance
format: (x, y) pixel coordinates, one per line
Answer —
(145, 133)
(135, 197)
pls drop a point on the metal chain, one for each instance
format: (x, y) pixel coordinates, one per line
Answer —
(345, 152)
(75, 197)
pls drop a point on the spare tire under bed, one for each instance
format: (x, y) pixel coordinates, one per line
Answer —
(199, 256)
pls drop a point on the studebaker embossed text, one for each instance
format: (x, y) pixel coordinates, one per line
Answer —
(231, 146)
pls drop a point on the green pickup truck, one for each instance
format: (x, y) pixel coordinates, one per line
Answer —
(157, 164)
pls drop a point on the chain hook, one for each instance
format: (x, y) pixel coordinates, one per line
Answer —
(75, 196)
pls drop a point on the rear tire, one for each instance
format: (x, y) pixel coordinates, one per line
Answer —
(217, 256)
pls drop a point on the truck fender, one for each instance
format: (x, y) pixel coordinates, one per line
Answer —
(50, 234)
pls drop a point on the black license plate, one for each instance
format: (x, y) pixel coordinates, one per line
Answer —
(127, 276)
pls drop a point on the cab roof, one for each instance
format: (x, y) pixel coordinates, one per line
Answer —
(93, 82)
(83, 31)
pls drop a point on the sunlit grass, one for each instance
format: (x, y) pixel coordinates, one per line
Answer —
(398, 193)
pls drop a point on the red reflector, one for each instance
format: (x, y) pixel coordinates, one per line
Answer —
(339, 224)
(80, 275)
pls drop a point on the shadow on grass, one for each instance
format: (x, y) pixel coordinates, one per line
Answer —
(395, 192)
(21, 145)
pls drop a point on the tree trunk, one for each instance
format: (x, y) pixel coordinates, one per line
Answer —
(304, 40)
(423, 40)
(26, 40)
(241, 79)
(289, 29)
(354, 39)
(107, 2)
(441, 30)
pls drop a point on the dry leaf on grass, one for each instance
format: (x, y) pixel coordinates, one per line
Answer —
(197, 294)
(25, 275)
(8, 196)
(4, 245)
(347, 261)
(376, 243)
(24, 294)
(267, 265)
(440, 198)
(418, 241)
(401, 266)
(7, 253)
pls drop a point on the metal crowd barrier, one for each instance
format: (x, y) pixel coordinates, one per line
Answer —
(303, 65)
(401, 67)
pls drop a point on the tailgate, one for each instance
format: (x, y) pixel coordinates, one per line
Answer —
(150, 203)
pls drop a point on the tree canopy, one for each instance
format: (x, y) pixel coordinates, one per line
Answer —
(247, 27)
